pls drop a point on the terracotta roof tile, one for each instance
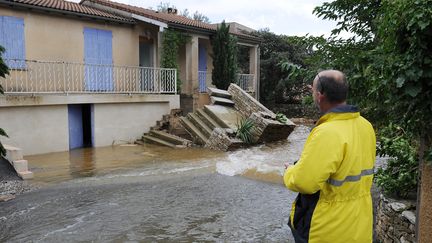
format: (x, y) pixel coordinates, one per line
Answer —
(71, 7)
(164, 17)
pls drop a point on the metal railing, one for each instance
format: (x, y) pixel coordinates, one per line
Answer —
(32, 77)
(245, 81)
(204, 80)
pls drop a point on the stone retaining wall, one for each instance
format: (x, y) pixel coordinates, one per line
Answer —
(220, 140)
(245, 103)
(395, 220)
(269, 130)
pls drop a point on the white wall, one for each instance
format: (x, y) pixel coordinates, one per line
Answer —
(36, 129)
(120, 123)
(39, 124)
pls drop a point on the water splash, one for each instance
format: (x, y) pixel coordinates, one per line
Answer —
(265, 160)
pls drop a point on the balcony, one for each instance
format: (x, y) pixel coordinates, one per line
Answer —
(245, 81)
(48, 77)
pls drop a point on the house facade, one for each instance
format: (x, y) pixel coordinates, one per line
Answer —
(88, 74)
(195, 57)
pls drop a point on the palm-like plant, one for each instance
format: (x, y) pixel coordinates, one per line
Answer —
(244, 130)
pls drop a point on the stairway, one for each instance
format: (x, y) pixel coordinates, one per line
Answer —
(200, 124)
(15, 157)
(158, 134)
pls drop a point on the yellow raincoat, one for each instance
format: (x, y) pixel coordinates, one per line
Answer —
(334, 177)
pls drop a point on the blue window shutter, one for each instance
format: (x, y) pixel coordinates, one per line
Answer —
(105, 44)
(98, 50)
(105, 58)
(2, 34)
(90, 46)
(13, 41)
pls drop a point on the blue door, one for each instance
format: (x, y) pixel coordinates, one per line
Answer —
(80, 120)
(75, 126)
(202, 68)
(98, 60)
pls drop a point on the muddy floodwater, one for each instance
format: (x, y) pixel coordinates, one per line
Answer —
(155, 194)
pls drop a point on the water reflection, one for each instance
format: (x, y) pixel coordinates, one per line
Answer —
(82, 163)
(119, 159)
(151, 193)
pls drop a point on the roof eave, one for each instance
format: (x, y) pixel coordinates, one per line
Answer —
(65, 12)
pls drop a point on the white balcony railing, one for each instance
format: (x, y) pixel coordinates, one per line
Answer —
(245, 81)
(66, 77)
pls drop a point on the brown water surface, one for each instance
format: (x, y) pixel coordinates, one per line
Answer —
(156, 194)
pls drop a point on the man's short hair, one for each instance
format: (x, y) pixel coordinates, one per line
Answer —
(335, 90)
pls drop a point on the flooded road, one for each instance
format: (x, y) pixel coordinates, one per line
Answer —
(156, 194)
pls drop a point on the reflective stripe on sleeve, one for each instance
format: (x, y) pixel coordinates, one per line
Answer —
(353, 178)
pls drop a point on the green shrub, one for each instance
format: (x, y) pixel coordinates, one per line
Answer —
(400, 175)
(281, 118)
(307, 100)
(244, 130)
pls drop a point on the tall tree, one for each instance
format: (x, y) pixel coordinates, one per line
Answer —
(200, 17)
(163, 7)
(275, 50)
(3, 72)
(390, 66)
(224, 57)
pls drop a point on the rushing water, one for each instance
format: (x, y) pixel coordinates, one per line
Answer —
(151, 193)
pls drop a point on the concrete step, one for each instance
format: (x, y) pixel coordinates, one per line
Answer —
(170, 138)
(200, 124)
(20, 165)
(13, 153)
(221, 101)
(151, 139)
(25, 175)
(211, 111)
(219, 93)
(193, 130)
(210, 122)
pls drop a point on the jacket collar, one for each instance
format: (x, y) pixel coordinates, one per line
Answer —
(341, 112)
(343, 109)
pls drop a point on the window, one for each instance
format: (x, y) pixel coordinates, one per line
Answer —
(12, 39)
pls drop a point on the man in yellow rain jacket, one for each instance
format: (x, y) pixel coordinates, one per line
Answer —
(334, 173)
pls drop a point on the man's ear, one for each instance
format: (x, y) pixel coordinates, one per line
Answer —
(321, 97)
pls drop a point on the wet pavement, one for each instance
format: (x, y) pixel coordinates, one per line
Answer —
(156, 194)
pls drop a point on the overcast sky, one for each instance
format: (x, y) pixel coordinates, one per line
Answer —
(289, 17)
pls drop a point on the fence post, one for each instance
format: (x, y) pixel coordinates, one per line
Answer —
(64, 78)
(175, 81)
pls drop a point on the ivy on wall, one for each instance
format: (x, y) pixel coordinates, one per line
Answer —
(171, 42)
(3, 72)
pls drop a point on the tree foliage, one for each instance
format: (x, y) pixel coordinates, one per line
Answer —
(163, 7)
(224, 57)
(388, 63)
(200, 17)
(3, 72)
(278, 54)
(399, 176)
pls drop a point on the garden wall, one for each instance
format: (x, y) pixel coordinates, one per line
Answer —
(395, 220)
